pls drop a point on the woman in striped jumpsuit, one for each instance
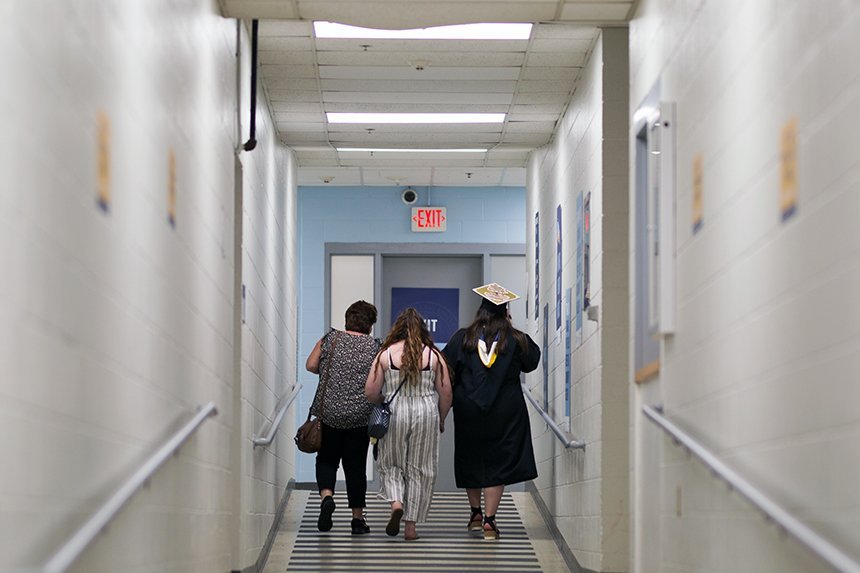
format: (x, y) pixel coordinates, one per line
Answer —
(409, 452)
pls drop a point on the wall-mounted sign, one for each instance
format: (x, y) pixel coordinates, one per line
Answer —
(103, 161)
(788, 169)
(440, 308)
(698, 192)
(429, 219)
(171, 187)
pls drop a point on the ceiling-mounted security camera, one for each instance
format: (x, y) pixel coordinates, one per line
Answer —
(409, 196)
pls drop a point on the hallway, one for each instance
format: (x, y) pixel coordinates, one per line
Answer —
(195, 190)
(444, 544)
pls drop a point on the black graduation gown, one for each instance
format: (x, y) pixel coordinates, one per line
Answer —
(492, 436)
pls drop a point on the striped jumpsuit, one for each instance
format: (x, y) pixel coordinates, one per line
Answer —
(409, 453)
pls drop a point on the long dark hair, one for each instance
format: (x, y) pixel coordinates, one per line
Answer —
(411, 328)
(491, 321)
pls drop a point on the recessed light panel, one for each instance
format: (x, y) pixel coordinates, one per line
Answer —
(415, 117)
(458, 32)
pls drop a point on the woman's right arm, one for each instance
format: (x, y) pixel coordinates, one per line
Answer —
(375, 379)
(313, 362)
(443, 388)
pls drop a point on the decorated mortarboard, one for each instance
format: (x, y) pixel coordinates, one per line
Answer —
(496, 293)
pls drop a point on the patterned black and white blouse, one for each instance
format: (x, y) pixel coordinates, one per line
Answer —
(345, 405)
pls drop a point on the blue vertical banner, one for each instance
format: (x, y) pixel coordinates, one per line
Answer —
(440, 308)
(545, 357)
(537, 264)
(579, 269)
(558, 267)
(567, 325)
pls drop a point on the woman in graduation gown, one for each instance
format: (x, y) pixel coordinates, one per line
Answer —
(492, 438)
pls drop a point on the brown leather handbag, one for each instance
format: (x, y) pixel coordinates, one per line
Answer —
(309, 435)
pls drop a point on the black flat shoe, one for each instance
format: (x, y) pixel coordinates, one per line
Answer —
(359, 526)
(393, 527)
(326, 509)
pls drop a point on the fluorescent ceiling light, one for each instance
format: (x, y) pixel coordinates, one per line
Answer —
(458, 32)
(389, 150)
(415, 117)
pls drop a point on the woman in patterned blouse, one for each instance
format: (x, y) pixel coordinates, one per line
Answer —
(347, 355)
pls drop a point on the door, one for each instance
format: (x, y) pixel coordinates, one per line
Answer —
(462, 273)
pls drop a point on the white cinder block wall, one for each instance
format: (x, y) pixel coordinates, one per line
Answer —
(269, 346)
(269, 326)
(586, 491)
(115, 326)
(763, 365)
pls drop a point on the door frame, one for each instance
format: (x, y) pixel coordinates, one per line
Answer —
(379, 250)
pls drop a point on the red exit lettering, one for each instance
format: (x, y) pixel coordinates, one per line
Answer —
(430, 218)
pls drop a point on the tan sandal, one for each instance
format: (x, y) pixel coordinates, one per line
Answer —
(491, 531)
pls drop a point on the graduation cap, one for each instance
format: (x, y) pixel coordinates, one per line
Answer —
(496, 297)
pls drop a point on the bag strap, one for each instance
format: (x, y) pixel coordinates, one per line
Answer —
(390, 400)
(324, 378)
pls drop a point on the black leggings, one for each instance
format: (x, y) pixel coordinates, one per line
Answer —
(351, 447)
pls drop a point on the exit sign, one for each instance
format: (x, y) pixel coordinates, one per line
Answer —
(429, 219)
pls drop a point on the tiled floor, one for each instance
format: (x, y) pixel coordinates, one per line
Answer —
(445, 545)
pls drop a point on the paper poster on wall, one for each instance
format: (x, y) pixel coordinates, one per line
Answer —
(545, 357)
(103, 161)
(788, 169)
(171, 187)
(537, 265)
(558, 268)
(698, 190)
(440, 308)
(579, 270)
(567, 303)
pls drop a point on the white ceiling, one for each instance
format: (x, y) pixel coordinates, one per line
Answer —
(529, 80)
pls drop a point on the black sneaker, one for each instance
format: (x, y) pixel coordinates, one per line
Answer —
(326, 509)
(359, 526)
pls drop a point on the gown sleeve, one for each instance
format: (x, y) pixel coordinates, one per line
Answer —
(531, 358)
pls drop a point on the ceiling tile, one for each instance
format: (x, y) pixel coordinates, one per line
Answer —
(289, 72)
(471, 107)
(286, 58)
(546, 86)
(560, 45)
(272, 28)
(417, 97)
(596, 11)
(290, 107)
(408, 46)
(397, 177)
(317, 176)
(407, 73)
(550, 59)
(434, 59)
(285, 44)
(557, 30)
(297, 84)
(293, 96)
(297, 117)
(535, 73)
(529, 126)
(487, 86)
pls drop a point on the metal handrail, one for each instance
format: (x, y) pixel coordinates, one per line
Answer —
(77, 543)
(270, 435)
(825, 550)
(570, 444)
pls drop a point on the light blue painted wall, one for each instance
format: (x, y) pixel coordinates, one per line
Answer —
(377, 215)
